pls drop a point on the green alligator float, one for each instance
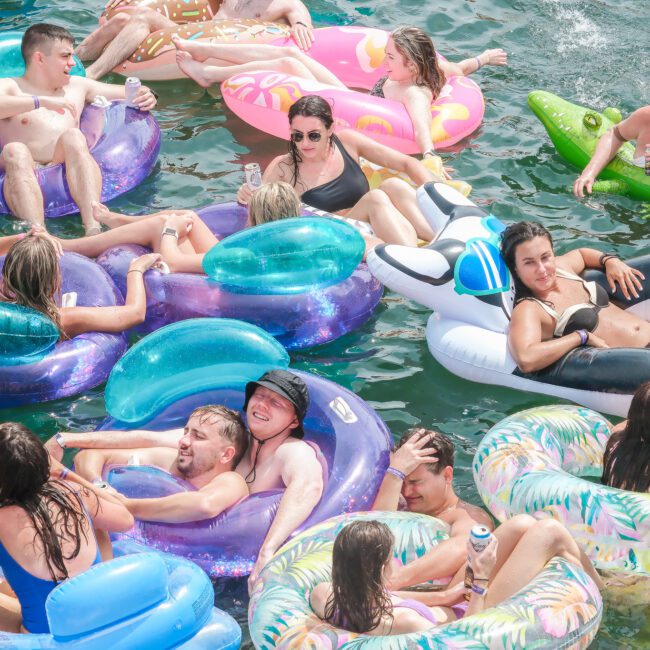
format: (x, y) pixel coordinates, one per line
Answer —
(575, 132)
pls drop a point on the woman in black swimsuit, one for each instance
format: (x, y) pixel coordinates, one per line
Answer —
(324, 169)
(555, 309)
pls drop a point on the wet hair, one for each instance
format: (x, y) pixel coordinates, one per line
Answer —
(417, 47)
(41, 37)
(359, 600)
(272, 202)
(514, 235)
(232, 426)
(440, 442)
(307, 106)
(626, 464)
(54, 509)
(31, 277)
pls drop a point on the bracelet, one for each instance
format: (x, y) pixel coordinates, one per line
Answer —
(429, 152)
(64, 472)
(584, 337)
(395, 472)
(481, 591)
(481, 579)
(60, 440)
(602, 260)
(100, 483)
(299, 22)
(37, 102)
(478, 63)
(135, 271)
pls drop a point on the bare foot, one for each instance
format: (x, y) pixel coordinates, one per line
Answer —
(103, 215)
(91, 229)
(195, 49)
(193, 69)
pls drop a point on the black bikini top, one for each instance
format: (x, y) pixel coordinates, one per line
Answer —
(378, 88)
(342, 192)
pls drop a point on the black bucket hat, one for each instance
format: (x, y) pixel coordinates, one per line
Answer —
(287, 385)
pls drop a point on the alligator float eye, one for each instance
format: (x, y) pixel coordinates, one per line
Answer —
(592, 121)
(613, 114)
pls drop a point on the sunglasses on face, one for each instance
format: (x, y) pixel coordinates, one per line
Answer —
(314, 136)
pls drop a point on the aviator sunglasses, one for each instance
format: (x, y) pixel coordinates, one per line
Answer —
(314, 136)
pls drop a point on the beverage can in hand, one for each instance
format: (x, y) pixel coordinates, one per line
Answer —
(479, 538)
(131, 88)
(647, 160)
(253, 175)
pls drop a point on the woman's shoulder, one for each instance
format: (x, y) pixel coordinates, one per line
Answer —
(279, 168)
(319, 596)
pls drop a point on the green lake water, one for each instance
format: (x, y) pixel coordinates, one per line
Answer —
(588, 51)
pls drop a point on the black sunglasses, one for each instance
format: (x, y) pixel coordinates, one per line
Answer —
(314, 136)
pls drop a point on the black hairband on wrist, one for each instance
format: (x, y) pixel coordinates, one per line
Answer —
(602, 260)
(299, 22)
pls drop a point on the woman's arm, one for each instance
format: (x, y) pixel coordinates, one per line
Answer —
(177, 260)
(616, 270)
(77, 320)
(273, 173)
(530, 352)
(361, 145)
(418, 104)
(466, 67)
(105, 512)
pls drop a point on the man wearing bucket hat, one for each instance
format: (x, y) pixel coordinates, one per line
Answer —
(275, 407)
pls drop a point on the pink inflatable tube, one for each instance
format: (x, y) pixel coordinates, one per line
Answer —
(354, 448)
(297, 321)
(262, 99)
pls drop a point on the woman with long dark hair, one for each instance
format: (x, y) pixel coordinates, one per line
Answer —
(324, 169)
(358, 599)
(46, 527)
(626, 464)
(555, 309)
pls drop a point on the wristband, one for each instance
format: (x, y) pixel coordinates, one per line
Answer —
(584, 337)
(429, 152)
(299, 22)
(168, 230)
(37, 102)
(478, 63)
(64, 472)
(602, 260)
(60, 440)
(135, 271)
(395, 472)
(481, 591)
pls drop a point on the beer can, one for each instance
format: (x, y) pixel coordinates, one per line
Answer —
(647, 160)
(253, 175)
(479, 538)
(131, 88)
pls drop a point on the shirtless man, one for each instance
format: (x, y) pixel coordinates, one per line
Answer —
(204, 453)
(39, 125)
(422, 470)
(276, 457)
(122, 33)
(636, 127)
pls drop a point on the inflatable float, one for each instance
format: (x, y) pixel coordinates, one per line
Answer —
(12, 63)
(312, 317)
(575, 131)
(560, 608)
(462, 277)
(352, 441)
(262, 99)
(71, 366)
(189, 11)
(124, 142)
(15, 7)
(534, 462)
(140, 601)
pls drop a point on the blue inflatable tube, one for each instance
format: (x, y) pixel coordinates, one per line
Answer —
(138, 601)
(354, 446)
(125, 143)
(74, 365)
(302, 320)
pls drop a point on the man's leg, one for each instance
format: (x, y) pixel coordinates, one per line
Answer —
(21, 190)
(92, 46)
(120, 48)
(82, 173)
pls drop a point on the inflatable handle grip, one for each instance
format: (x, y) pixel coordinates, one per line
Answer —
(611, 187)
